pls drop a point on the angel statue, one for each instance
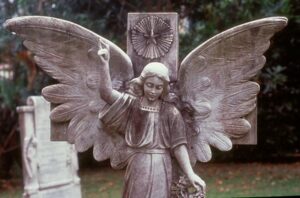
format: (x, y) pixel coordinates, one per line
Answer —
(140, 122)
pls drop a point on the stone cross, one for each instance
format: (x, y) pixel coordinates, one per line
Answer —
(154, 37)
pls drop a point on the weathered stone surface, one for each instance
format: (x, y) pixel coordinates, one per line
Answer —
(50, 168)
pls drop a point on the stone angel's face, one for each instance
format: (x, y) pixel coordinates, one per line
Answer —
(153, 88)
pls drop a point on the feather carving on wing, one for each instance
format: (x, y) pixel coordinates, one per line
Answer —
(66, 52)
(215, 81)
(215, 84)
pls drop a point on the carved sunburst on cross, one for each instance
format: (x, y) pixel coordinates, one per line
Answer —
(151, 37)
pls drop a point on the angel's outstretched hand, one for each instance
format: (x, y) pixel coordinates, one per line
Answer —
(103, 52)
(197, 182)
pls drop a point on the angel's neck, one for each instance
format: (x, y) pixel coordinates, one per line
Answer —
(145, 103)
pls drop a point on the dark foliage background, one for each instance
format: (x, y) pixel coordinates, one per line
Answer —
(278, 102)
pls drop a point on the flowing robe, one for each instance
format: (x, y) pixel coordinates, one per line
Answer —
(151, 137)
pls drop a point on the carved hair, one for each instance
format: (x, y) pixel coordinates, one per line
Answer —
(136, 85)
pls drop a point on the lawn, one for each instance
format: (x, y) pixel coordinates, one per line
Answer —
(223, 180)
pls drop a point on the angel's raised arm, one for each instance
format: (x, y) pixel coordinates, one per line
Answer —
(78, 59)
(108, 94)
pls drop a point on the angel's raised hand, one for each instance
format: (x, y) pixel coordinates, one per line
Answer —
(103, 52)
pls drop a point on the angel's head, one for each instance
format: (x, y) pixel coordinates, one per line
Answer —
(153, 82)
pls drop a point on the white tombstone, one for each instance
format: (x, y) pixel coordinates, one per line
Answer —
(49, 168)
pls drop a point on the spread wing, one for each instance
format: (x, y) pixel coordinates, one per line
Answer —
(66, 52)
(215, 83)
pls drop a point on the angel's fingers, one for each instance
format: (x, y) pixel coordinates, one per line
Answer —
(200, 186)
(103, 45)
(197, 186)
(201, 190)
(100, 44)
(102, 52)
(106, 45)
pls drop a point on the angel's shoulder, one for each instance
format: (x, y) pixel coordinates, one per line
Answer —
(170, 109)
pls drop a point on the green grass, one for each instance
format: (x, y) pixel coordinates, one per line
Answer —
(223, 180)
(104, 183)
(249, 180)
